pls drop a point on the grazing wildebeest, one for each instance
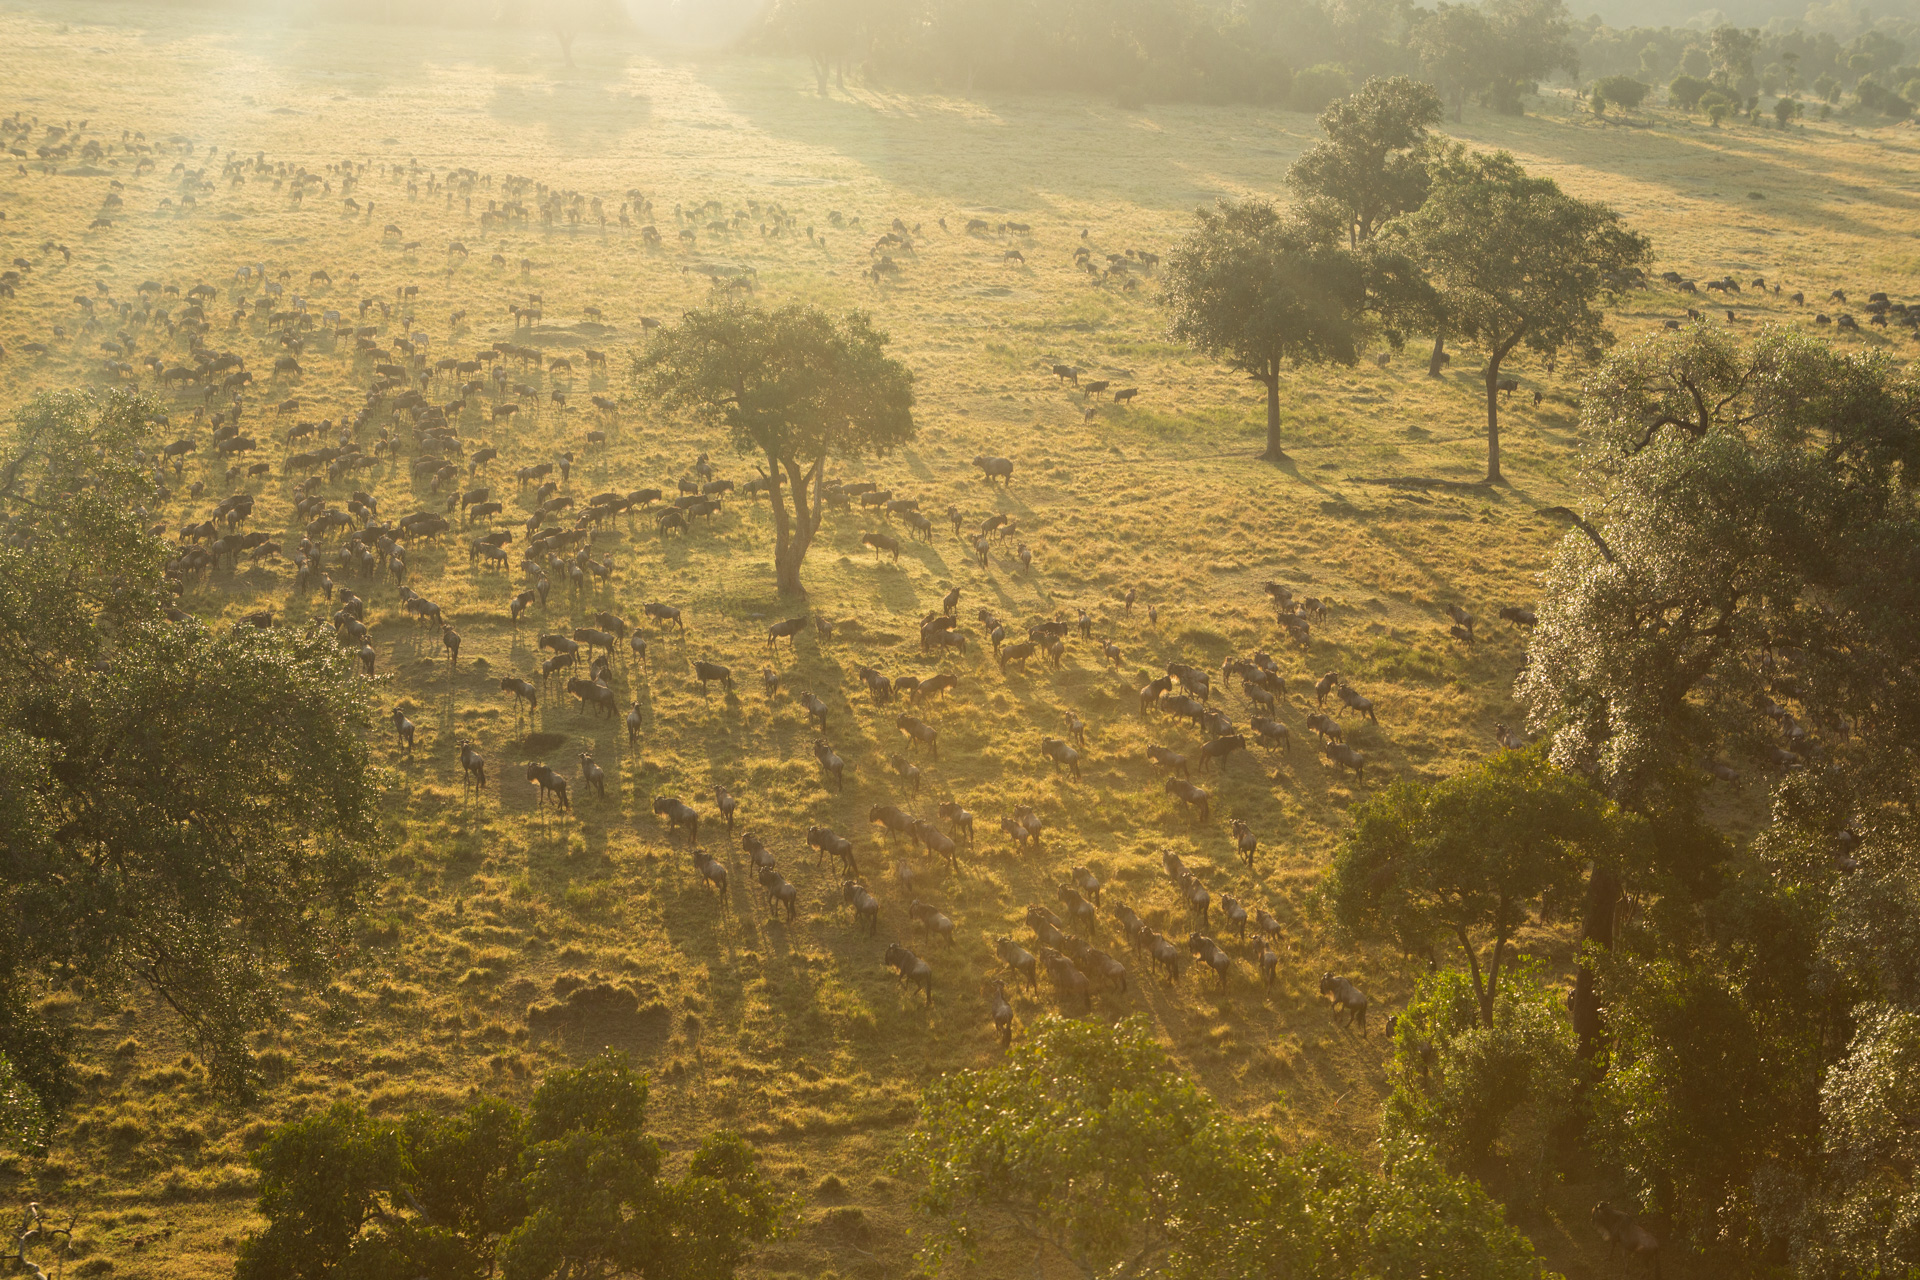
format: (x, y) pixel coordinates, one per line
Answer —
(707, 672)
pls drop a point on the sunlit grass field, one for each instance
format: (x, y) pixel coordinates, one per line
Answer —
(796, 1034)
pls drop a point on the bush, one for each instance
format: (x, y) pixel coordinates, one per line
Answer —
(1622, 91)
(1685, 92)
(1317, 86)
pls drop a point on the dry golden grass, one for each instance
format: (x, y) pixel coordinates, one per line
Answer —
(796, 1033)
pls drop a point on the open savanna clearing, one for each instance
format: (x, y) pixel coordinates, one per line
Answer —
(494, 911)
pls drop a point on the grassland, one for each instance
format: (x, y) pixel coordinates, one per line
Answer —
(796, 1034)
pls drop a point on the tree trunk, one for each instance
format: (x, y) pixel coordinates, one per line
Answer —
(820, 74)
(1482, 994)
(1274, 452)
(1437, 361)
(805, 523)
(566, 45)
(1493, 419)
(1603, 893)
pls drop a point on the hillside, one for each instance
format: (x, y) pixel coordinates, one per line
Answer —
(494, 911)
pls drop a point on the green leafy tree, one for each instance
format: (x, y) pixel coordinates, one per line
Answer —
(182, 810)
(1260, 290)
(1089, 1144)
(571, 1188)
(1622, 91)
(1372, 165)
(1862, 1217)
(1494, 51)
(1469, 1090)
(1467, 860)
(794, 387)
(1785, 110)
(1756, 522)
(1517, 262)
(1085, 1141)
(1452, 43)
(1732, 50)
(1746, 586)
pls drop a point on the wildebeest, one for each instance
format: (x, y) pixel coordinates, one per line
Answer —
(1213, 954)
(1347, 998)
(911, 968)
(707, 672)
(1019, 959)
(881, 542)
(779, 890)
(592, 775)
(551, 783)
(865, 906)
(1188, 794)
(403, 729)
(831, 763)
(1347, 758)
(473, 766)
(678, 814)
(595, 692)
(786, 630)
(665, 613)
(830, 845)
(958, 819)
(1002, 1013)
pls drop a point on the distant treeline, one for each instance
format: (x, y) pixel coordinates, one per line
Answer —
(1874, 67)
(1302, 52)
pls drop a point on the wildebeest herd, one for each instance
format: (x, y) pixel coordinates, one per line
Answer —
(441, 412)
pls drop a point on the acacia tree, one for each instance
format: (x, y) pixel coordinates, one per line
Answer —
(1372, 164)
(1260, 290)
(1516, 261)
(792, 387)
(1467, 859)
(181, 810)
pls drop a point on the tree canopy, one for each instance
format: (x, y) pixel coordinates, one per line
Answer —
(1260, 290)
(1372, 165)
(1091, 1145)
(794, 387)
(572, 1187)
(1467, 859)
(1741, 598)
(1493, 51)
(1516, 262)
(185, 810)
